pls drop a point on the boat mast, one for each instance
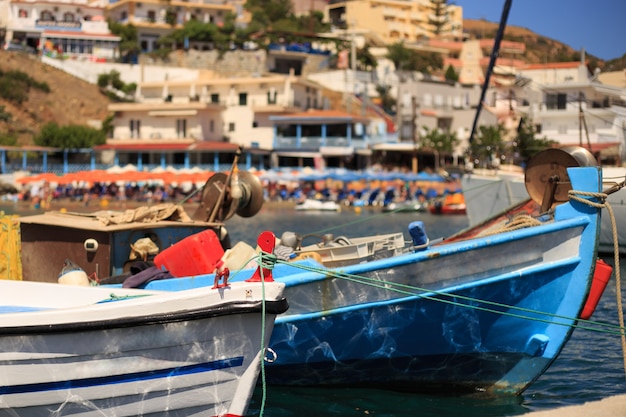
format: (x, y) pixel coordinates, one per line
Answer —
(494, 55)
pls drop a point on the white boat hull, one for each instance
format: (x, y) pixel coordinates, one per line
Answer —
(161, 355)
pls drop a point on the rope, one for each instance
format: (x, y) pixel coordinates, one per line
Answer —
(618, 279)
(519, 221)
(411, 290)
(263, 379)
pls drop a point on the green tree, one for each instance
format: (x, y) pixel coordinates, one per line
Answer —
(438, 19)
(451, 74)
(405, 59)
(69, 137)
(365, 61)
(441, 143)
(488, 141)
(129, 42)
(526, 145)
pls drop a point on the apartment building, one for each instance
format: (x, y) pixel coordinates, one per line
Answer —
(395, 21)
(209, 110)
(75, 28)
(156, 18)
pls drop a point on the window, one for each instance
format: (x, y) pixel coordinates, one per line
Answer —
(556, 101)
(231, 127)
(22, 13)
(151, 16)
(68, 17)
(271, 96)
(243, 99)
(135, 128)
(181, 128)
(211, 126)
(215, 98)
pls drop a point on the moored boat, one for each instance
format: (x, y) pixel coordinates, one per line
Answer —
(311, 204)
(438, 316)
(489, 192)
(76, 350)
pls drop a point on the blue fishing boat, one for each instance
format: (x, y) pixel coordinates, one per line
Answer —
(485, 311)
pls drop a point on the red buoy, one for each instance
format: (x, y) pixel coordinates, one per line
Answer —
(601, 277)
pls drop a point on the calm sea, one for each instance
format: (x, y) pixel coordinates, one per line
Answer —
(589, 368)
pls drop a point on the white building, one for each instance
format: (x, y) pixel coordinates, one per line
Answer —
(71, 28)
(207, 109)
(570, 105)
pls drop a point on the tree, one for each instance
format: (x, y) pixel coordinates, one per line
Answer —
(365, 61)
(405, 59)
(438, 19)
(451, 74)
(69, 137)
(129, 43)
(439, 142)
(487, 143)
(526, 145)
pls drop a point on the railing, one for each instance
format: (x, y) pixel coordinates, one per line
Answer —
(315, 142)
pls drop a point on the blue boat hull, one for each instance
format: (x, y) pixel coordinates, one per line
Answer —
(485, 315)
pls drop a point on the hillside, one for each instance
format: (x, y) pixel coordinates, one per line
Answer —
(70, 100)
(538, 48)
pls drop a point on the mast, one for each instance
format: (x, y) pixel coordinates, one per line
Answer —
(494, 55)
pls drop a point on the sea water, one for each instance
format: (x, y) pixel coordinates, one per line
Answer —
(590, 367)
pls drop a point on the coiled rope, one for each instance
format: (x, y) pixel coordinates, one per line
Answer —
(574, 195)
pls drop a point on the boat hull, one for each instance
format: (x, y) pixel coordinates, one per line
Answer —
(200, 358)
(484, 313)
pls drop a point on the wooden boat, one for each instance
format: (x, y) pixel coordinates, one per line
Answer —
(106, 243)
(484, 312)
(75, 350)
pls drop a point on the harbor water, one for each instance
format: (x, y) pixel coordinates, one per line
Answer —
(590, 367)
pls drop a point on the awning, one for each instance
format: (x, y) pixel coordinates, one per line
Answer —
(336, 150)
(158, 113)
(299, 154)
(398, 147)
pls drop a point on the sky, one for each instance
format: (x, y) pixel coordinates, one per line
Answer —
(598, 26)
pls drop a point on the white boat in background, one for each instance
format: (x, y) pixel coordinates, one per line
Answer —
(89, 351)
(311, 204)
(489, 192)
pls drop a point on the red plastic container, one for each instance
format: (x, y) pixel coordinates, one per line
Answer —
(601, 277)
(194, 255)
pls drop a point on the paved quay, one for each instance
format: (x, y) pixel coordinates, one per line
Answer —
(607, 407)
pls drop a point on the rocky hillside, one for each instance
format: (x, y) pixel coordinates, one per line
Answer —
(70, 100)
(538, 48)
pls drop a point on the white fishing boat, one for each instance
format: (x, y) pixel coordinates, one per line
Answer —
(311, 204)
(76, 350)
(489, 192)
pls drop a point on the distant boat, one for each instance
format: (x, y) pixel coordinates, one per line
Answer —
(78, 350)
(405, 206)
(311, 204)
(449, 204)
